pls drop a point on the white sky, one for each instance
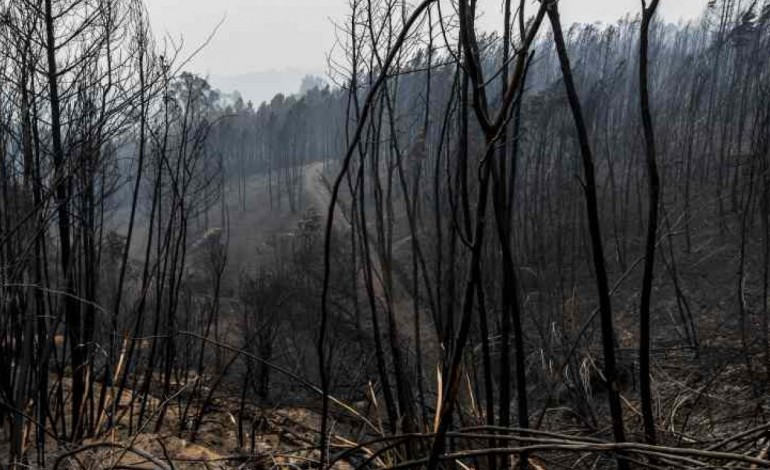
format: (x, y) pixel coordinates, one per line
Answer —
(260, 35)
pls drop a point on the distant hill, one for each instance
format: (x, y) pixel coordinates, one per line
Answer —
(263, 85)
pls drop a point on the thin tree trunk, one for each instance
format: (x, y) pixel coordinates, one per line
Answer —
(652, 225)
(594, 225)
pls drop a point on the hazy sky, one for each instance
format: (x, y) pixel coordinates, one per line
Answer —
(263, 35)
(266, 46)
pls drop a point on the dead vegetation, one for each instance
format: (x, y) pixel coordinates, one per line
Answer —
(545, 248)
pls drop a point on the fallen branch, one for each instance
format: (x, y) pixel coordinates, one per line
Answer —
(126, 449)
